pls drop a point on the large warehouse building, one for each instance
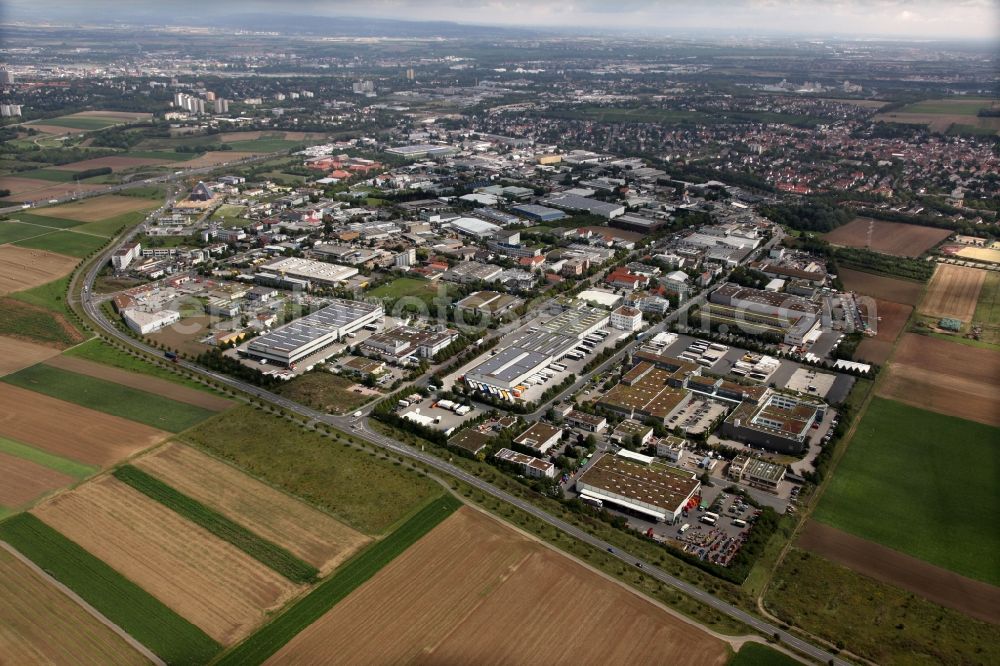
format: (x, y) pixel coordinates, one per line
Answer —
(503, 373)
(314, 272)
(660, 492)
(294, 341)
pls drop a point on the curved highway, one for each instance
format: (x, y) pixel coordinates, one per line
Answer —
(359, 427)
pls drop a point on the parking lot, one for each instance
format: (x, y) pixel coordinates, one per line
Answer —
(697, 417)
(441, 418)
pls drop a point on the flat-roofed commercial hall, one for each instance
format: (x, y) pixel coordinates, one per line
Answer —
(294, 341)
(657, 492)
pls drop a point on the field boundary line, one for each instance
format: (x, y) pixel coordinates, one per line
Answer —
(100, 617)
(53, 229)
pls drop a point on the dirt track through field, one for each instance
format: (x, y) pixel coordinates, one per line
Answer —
(306, 532)
(161, 387)
(974, 598)
(204, 579)
(22, 480)
(953, 292)
(71, 431)
(23, 268)
(17, 354)
(474, 591)
(945, 377)
(43, 623)
(907, 240)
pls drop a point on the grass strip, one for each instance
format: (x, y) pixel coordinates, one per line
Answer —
(45, 459)
(143, 616)
(271, 637)
(109, 397)
(756, 654)
(267, 553)
(99, 351)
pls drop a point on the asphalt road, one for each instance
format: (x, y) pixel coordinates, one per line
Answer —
(359, 427)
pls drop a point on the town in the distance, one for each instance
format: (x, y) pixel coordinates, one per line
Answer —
(365, 341)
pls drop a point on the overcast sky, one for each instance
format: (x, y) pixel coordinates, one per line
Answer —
(951, 19)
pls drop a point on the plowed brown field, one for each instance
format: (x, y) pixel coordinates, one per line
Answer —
(160, 387)
(214, 585)
(69, 430)
(972, 597)
(96, 208)
(891, 320)
(17, 354)
(312, 535)
(473, 591)
(945, 377)
(35, 189)
(878, 286)
(23, 268)
(953, 292)
(41, 625)
(22, 480)
(906, 240)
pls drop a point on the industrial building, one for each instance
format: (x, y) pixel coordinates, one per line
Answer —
(792, 317)
(540, 437)
(418, 151)
(626, 318)
(756, 472)
(646, 392)
(539, 213)
(527, 465)
(489, 303)
(658, 492)
(403, 343)
(314, 272)
(288, 344)
(575, 202)
(143, 322)
(779, 422)
(504, 372)
(473, 226)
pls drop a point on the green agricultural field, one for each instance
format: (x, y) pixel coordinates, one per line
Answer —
(988, 305)
(880, 622)
(45, 220)
(79, 122)
(324, 391)
(52, 297)
(55, 175)
(362, 490)
(263, 145)
(267, 553)
(112, 225)
(98, 351)
(59, 464)
(350, 576)
(14, 231)
(949, 107)
(65, 242)
(108, 397)
(756, 654)
(23, 320)
(921, 483)
(171, 637)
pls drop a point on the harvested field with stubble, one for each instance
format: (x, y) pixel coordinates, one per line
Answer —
(879, 286)
(160, 387)
(905, 240)
(972, 597)
(23, 268)
(41, 625)
(953, 292)
(69, 430)
(213, 157)
(22, 480)
(475, 591)
(313, 536)
(202, 578)
(35, 189)
(96, 208)
(16, 354)
(116, 162)
(945, 377)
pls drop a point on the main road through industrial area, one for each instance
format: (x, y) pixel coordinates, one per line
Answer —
(359, 427)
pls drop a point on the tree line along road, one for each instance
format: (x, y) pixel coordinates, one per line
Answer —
(364, 432)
